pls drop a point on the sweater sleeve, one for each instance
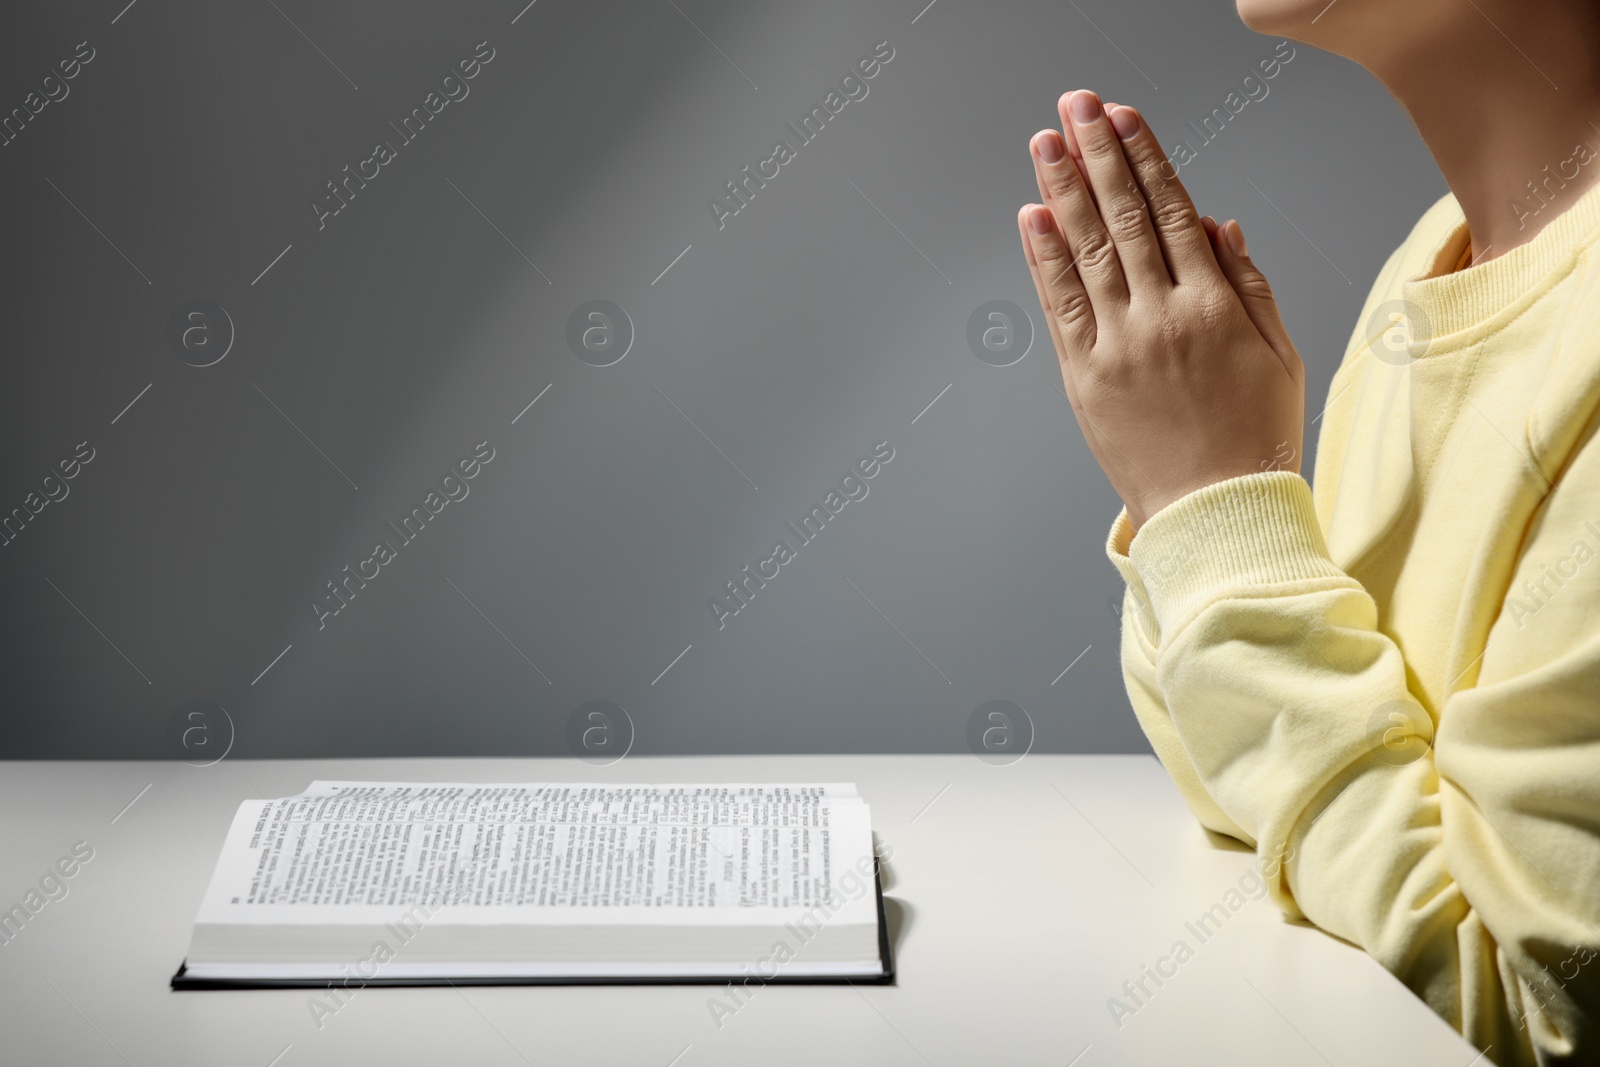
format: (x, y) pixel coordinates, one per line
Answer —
(1139, 636)
(1466, 864)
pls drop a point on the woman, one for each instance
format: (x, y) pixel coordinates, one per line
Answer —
(1390, 686)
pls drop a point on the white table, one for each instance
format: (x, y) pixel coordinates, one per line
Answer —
(1027, 896)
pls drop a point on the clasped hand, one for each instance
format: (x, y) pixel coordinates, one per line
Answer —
(1175, 359)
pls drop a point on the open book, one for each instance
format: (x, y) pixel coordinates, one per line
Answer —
(427, 883)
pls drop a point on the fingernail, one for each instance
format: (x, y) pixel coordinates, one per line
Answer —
(1125, 120)
(1039, 221)
(1051, 147)
(1084, 106)
(1236, 238)
(1209, 224)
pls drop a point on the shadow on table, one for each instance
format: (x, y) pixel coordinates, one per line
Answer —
(897, 914)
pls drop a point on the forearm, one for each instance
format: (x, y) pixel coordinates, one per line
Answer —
(1292, 713)
(1139, 639)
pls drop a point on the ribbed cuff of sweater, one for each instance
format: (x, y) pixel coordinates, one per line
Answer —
(1235, 535)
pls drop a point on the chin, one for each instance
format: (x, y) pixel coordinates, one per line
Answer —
(1279, 16)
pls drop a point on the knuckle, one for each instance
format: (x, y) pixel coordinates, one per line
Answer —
(1071, 306)
(1063, 182)
(1254, 284)
(1139, 150)
(1208, 314)
(1148, 162)
(1096, 251)
(1100, 378)
(1097, 146)
(1126, 218)
(1174, 334)
(1173, 214)
(1157, 171)
(1052, 256)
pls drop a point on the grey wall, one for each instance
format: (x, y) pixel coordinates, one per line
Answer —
(425, 316)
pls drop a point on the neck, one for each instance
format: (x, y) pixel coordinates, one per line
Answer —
(1512, 118)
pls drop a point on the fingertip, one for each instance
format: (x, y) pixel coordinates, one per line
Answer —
(1086, 106)
(1025, 236)
(1235, 236)
(1081, 106)
(1048, 146)
(1210, 226)
(1125, 120)
(1038, 219)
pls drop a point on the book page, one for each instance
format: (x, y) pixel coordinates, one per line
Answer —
(570, 850)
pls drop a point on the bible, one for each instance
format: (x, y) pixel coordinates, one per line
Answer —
(393, 883)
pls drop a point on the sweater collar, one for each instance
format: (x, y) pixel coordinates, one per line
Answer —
(1445, 301)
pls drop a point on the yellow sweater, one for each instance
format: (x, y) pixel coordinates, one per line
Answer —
(1392, 682)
